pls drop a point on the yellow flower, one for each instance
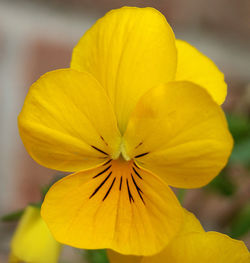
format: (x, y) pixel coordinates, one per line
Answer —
(193, 245)
(128, 121)
(32, 241)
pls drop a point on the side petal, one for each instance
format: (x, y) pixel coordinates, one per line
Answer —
(129, 51)
(193, 66)
(178, 132)
(190, 224)
(116, 206)
(202, 247)
(32, 241)
(67, 122)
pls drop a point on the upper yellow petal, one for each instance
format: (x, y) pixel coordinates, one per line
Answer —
(179, 133)
(67, 121)
(117, 206)
(193, 66)
(129, 51)
(210, 247)
(32, 241)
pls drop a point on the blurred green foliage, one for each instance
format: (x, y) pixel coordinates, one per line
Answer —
(15, 216)
(241, 153)
(222, 184)
(240, 129)
(97, 256)
(181, 194)
(241, 223)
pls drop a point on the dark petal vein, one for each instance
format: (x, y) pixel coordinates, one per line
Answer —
(109, 190)
(137, 173)
(129, 193)
(138, 189)
(136, 165)
(120, 187)
(103, 182)
(98, 150)
(140, 155)
(105, 170)
(107, 162)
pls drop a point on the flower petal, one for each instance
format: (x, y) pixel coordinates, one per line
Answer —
(190, 224)
(193, 66)
(67, 122)
(116, 206)
(181, 135)
(32, 241)
(129, 51)
(202, 247)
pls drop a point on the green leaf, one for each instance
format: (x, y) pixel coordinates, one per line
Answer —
(222, 184)
(181, 194)
(239, 127)
(97, 256)
(241, 153)
(241, 224)
(44, 191)
(36, 205)
(15, 216)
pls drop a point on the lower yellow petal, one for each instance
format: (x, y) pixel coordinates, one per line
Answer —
(190, 224)
(193, 66)
(210, 247)
(116, 206)
(32, 241)
(181, 135)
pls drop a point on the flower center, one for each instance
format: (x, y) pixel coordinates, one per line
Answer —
(119, 174)
(121, 153)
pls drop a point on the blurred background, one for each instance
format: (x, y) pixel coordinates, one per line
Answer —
(38, 35)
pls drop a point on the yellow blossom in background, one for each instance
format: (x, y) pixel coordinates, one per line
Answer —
(32, 241)
(128, 119)
(193, 245)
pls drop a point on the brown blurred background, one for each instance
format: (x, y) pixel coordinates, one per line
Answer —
(38, 35)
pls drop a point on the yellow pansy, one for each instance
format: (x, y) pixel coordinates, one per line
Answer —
(32, 241)
(127, 126)
(193, 245)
